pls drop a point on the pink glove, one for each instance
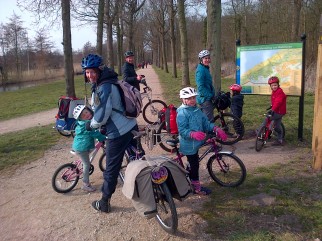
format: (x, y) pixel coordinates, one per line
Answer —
(220, 134)
(198, 135)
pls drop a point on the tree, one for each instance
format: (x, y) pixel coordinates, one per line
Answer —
(172, 13)
(68, 52)
(183, 43)
(214, 40)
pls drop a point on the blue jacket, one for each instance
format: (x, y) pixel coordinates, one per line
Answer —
(85, 140)
(205, 88)
(106, 96)
(191, 118)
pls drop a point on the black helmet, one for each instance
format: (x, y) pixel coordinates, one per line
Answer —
(128, 54)
(92, 61)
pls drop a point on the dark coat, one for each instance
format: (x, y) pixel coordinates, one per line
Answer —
(129, 75)
(237, 102)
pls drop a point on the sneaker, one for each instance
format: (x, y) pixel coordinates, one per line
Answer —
(198, 189)
(101, 205)
(88, 188)
(278, 143)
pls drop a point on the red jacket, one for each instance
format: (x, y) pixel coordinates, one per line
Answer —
(278, 101)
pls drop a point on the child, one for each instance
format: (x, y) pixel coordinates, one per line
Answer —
(237, 100)
(193, 125)
(84, 141)
(278, 103)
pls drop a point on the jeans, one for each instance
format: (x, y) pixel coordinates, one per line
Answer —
(115, 149)
(84, 156)
(207, 107)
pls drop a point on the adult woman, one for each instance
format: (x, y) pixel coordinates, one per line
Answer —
(205, 88)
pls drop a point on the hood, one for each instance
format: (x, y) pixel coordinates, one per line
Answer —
(108, 75)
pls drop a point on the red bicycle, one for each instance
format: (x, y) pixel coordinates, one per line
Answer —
(265, 131)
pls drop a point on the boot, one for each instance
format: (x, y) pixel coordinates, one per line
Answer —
(102, 205)
(198, 189)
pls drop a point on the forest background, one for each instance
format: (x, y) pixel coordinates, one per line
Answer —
(166, 33)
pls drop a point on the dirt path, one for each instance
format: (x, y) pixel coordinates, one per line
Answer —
(31, 210)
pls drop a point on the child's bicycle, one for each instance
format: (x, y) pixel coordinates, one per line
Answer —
(224, 167)
(67, 175)
(266, 130)
(151, 110)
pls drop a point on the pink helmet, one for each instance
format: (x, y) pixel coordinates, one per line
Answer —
(273, 79)
(236, 87)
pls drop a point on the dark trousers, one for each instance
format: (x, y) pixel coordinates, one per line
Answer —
(207, 107)
(115, 149)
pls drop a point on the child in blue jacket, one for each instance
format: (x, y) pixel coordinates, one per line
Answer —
(193, 125)
(84, 141)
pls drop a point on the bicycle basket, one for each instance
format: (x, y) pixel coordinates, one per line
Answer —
(222, 100)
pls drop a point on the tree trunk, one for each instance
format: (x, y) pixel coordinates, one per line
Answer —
(109, 34)
(297, 5)
(68, 51)
(214, 40)
(100, 21)
(183, 43)
(173, 40)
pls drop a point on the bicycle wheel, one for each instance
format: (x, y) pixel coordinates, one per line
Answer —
(65, 178)
(167, 213)
(151, 110)
(226, 169)
(126, 160)
(162, 136)
(233, 127)
(260, 139)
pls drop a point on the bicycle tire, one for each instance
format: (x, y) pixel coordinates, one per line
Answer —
(162, 136)
(65, 178)
(233, 127)
(260, 138)
(126, 160)
(68, 133)
(151, 111)
(167, 215)
(226, 169)
(64, 133)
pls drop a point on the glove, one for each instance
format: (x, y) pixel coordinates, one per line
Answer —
(198, 135)
(143, 82)
(271, 112)
(88, 126)
(220, 134)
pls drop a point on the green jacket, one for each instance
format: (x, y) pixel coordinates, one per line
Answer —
(85, 140)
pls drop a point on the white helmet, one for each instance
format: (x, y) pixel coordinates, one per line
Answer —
(203, 53)
(78, 110)
(188, 92)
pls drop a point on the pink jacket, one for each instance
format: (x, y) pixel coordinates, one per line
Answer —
(278, 101)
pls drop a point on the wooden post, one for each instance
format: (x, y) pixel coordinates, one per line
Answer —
(317, 126)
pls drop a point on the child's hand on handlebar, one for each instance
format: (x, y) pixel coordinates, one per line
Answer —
(220, 134)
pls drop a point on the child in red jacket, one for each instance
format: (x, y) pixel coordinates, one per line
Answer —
(278, 103)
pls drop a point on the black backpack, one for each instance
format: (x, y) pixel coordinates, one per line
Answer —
(222, 100)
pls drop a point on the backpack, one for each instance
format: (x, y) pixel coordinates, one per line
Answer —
(222, 100)
(169, 116)
(131, 99)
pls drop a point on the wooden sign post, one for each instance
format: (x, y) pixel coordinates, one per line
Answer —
(317, 121)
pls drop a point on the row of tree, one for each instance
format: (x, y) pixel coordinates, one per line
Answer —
(163, 31)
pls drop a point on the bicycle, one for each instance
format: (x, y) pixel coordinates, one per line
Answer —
(224, 167)
(66, 177)
(266, 130)
(151, 109)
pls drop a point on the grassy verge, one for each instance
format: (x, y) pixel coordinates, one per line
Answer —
(35, 99)
(26, 146)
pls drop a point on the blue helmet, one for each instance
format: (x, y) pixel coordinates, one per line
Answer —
(92, 61)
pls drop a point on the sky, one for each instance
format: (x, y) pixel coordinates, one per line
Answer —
(80, 35)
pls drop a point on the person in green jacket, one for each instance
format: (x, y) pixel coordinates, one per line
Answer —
(84, 141)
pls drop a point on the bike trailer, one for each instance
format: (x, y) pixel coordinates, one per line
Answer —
(138, 183)
(64, 117)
